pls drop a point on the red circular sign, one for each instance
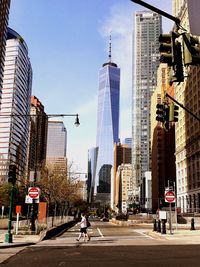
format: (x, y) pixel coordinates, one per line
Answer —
(169, 196)
(33, 192)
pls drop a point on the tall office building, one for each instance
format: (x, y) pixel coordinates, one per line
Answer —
(16, 96)
(124, 188)
(4, 12)
(92, 162)
(188, 128)
(122, 155)
(127, 141)
(57, 144)
(37, 135)
(107, 125)
(146, 60)
(162, 143)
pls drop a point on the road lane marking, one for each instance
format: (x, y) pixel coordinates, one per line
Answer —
(141, 233)
(100, 233)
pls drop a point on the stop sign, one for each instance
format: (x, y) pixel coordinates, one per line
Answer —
(170, 197)
(33, 192)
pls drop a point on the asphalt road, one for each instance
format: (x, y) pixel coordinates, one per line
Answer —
(110, 245)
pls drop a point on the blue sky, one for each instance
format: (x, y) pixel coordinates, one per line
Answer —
(68, 43)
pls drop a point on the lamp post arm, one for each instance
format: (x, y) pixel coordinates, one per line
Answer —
(159, 11)
(77, 122)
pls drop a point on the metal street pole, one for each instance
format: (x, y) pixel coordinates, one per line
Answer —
(176, 207)
(159, 11)
(170, 218)
(182, 106)
(8, 236)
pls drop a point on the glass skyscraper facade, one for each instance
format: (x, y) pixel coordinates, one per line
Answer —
(107, 124)
(56, 143)
(15, 105)
(146, 61)
(37, 135)
(4, 12)
(92, 161)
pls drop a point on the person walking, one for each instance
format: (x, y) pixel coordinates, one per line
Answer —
(88, 225)
(83, 228)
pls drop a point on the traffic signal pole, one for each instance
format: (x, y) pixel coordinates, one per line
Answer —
(179, 104)
(12, 180)
(8, 236)
(159, 11)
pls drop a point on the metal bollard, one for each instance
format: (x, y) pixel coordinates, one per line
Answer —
(163, 229)
(158, 227)
(154, 225)
(192, 224)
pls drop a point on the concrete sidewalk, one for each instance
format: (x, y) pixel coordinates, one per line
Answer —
(19, 240)
(28, 239)
(185, 236)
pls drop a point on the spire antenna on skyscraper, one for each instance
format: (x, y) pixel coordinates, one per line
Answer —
(110, 50)
(110, 55)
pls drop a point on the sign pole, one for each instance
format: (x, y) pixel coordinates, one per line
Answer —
(2, 211)
(18, 211)
(17, 224)
(9, 236)
(170, 218)
(176, 208)
(33, 192)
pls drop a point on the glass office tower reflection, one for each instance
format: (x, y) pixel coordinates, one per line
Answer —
(4, 13)
(16, 96)
(56, 143)
(92, 161)
(107, 125)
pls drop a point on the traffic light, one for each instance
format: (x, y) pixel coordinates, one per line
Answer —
(178, 75)
(191, 49)
(173, 112)
(170, 53)
(166, 117)
(166, 49)
(12, 174)
(163, 115)
(160, 112)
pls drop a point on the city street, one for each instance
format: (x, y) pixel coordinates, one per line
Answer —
(110, 245)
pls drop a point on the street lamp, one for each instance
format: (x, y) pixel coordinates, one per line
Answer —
(8, 237)
(76, 123)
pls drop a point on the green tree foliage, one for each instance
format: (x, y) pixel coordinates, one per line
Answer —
(19, 194)
(5, 190)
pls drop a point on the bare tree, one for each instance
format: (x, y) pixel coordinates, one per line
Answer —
(58, 188)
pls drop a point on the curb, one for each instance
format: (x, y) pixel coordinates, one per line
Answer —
(157, 235)
(44, 235)
(21, 244)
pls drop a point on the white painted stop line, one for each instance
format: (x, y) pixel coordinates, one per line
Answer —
(100, 232)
